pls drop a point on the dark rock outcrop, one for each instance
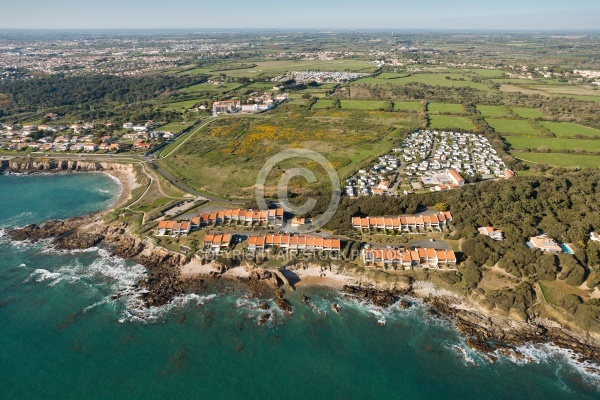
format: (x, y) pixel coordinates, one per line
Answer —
(381, 298)
(488, 334)
(47, 230)
(284, 305)
(78, 241)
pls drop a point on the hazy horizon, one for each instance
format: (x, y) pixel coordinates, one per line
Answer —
(511, 15)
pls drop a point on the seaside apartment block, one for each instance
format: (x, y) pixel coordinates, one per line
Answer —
(403, 223)
(247, 217)
(418, 257)
(297, 243)
(267, 218)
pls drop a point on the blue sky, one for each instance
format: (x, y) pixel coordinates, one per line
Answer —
(385, 14)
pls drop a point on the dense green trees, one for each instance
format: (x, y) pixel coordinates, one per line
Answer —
(567, 207)
(58, 90)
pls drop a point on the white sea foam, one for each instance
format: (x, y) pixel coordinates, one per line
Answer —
(547, 352)
(52, 250)
(42, 275)
(136, 312)
(252, 308)
(17, 220)
(383, 314)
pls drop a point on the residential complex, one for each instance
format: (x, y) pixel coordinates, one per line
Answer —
(428, 153)
(319, 76)
(429, 160)
(380, 178)
(306, 243)
(417, 257)
(256, 102)
(273, 217)
(403, 223)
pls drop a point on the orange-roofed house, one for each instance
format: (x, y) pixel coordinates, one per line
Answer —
(186, 228)
(297, 221)
(176, 229)
(279, 216)
(455, 177)
(508, 173)
(162, 228)
(490, 232)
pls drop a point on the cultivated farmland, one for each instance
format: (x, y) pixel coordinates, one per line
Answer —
(567, 129)
(560, 160)
(493, 111)
(445, 108)
(512, 126)
(520, 142)
(530, 113)
(450, 122)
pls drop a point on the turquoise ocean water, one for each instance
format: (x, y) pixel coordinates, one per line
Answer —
(61, 337)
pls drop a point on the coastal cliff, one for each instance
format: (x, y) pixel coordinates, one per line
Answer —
(28, 166)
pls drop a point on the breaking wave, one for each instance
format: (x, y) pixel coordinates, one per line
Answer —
(547, 353)
(136, 312)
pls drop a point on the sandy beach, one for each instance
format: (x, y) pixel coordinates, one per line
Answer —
(127, 180)
(314, 276)
(299, 278)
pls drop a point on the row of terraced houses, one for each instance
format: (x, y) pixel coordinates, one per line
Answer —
(288, 242)
(272, 217)
(403, 223)
(408, 259)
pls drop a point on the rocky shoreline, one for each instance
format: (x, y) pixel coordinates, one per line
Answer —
(32, 166)
(488, 334)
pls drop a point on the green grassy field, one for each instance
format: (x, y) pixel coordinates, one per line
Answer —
(560, 160)
(432, 79)
(565, 89)
(322, 103)
(363, 104)
(520, 142)
(445, 108)
(176, 127)
(407, 106)
(493, 111)
(181, 105)
(567, 129)
(447, 121)
(583, 98)
(209, 87)
(512, 126)
(530, 113)
(488, 73)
